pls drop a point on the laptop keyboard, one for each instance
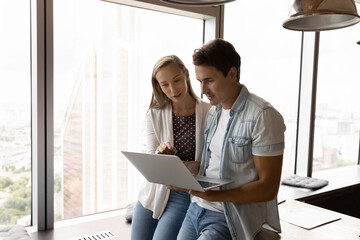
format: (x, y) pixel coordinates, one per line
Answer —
(207, 184)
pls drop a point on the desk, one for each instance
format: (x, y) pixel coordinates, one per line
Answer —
(347, 228)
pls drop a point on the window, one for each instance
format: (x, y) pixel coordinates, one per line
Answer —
(270, 67)
(270, 57)
(336, 135)
(103, 58)
(15, 130)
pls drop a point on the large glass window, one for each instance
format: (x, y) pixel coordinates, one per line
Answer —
(103, 58)
(270, 58)
(336, 139)
(15, 100)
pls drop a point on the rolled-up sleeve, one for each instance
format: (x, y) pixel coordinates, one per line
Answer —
(269, 133)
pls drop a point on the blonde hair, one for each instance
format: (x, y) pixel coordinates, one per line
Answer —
(158, 98)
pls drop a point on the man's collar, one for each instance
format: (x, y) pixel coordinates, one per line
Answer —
(240, 100)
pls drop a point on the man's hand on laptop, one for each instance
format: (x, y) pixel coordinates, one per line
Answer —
(166, 148)
(193, 166)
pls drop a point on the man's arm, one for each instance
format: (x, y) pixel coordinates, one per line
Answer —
(262, 190)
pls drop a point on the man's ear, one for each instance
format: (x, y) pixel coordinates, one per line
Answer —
(233, 73)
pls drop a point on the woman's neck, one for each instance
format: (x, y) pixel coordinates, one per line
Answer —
(185, 108)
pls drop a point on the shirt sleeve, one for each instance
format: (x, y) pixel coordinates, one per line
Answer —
(268, 133)
(270, 154)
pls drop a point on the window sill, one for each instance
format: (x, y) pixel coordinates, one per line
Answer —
(340, 179)
(113, 221)
(341, 195)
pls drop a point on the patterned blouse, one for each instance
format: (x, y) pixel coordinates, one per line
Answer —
(184, 136)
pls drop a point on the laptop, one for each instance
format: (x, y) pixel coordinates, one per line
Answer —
(170, 170)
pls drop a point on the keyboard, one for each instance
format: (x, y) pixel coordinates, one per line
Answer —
(207, 184)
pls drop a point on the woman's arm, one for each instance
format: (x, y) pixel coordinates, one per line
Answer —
(151, 139)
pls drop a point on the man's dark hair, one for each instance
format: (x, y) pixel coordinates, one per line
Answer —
(219, 54)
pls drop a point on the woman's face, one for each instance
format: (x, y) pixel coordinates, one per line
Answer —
(172, 81)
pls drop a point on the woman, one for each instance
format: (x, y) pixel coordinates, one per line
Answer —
(175, 123)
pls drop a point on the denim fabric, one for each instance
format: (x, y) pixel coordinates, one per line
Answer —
(144, 226)
(254, 128)
(204, 224)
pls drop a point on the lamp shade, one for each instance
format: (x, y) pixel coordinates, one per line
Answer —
(319, 15)
(198, 2)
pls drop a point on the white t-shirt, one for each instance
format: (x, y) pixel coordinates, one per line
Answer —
(214, 163)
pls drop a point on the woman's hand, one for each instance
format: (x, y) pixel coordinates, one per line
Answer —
(166, 148)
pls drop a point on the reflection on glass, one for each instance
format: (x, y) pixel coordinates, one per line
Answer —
(103, 58)
(337, 123)
(270, 58)
(15, 129)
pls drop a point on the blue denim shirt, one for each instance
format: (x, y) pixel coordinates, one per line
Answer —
(255, 127)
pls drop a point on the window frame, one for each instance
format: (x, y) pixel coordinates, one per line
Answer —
(310, 48)
(42, 96)
(41, 114)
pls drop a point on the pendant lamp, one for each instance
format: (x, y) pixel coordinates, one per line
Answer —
(198, 2)
(319, 15)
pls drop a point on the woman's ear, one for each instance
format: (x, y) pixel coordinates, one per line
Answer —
(187, 72)
(187, 75)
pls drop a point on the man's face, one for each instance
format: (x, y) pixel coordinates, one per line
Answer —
(215, 86)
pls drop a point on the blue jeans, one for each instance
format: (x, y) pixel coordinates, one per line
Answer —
(203, 224)
(144, 226)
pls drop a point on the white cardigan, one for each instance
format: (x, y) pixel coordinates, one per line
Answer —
(158, 129)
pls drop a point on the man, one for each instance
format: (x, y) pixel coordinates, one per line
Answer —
(244, 141)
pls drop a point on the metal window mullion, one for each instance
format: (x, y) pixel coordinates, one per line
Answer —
(313, 105)
(299, 101)
(219, 27)
(49, 26)
(42, 114)
(359, 150)
(307, 104)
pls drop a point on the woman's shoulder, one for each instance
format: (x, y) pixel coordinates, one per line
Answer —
(154, 110)
(157, 112)
(203, 104)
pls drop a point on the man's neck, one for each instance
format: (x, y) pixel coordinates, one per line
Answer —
(232, 96)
